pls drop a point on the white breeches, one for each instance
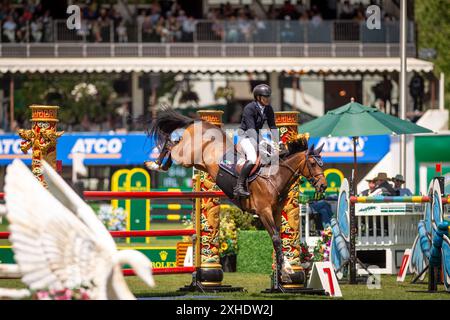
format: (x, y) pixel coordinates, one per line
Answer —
(249, 150)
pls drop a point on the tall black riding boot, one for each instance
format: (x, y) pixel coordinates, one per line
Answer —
(240, 189)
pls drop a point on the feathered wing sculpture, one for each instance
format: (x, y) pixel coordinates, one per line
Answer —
(339, 251)
(437, 220)
(58, 241)
(420, 253)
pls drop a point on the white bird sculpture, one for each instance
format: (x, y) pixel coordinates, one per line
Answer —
(59, 242)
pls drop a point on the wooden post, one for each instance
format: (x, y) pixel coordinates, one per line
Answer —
(41, 138)
(287, 123)
(210, 272)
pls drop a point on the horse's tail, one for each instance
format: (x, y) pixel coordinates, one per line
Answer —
(165, 123)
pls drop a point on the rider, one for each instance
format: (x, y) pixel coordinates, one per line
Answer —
(255, 114)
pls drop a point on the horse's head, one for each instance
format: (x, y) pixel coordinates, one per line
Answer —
(313, 169)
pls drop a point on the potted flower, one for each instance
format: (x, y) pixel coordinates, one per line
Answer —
(322, 248)
(114, 219)
(228, 243)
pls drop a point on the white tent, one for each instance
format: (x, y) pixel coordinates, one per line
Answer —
(254, 64)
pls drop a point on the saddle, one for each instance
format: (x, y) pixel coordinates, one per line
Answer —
(231, 164)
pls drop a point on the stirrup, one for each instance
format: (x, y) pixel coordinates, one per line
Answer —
(240, 192)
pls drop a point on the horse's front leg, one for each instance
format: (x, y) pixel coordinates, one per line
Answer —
(283, 268)
(157, 165)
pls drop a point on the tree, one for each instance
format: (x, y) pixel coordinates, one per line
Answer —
(78, 95)
(433, 24)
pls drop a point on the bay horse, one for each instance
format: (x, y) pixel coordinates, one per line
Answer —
(202, 145)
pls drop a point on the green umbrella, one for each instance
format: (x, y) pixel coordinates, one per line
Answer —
(354, 119)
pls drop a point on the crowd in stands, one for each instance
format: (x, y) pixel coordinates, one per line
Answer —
(170, 26)
(31, 23)
(28, 23)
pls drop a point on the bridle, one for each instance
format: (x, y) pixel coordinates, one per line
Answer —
(314, 179)
(166, 148)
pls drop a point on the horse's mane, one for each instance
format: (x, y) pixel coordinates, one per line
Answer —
(296, 144)
(165, 123)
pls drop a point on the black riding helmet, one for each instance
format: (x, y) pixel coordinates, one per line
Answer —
(262, 90)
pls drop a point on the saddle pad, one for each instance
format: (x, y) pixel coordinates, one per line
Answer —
(229, 163)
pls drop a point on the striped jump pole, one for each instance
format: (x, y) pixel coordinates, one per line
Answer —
(390, 199)
(110, 195)
(118, 234)
(134, 233)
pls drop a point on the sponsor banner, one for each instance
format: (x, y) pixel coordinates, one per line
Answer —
(98, 148)
(135, 148)
(161, 257)
(370, 149)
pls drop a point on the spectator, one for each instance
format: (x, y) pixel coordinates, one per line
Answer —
(155, 15)
(371, 189)
(47, 20)
(218, 29)
(304, 17)
(383, 186)
(347, 11)
(140, 18)
(37, 30)
(416, 90)
(9, 29)
(316, 19)
(383, 92)
(398, 180)
(359, 17)
(181, 17)
(174, 29)
(122, 32)
(104, 26)
(148, 33)
(162, 30)
(245, 27)
(188, 29)
(323, 209)
(287, 32)
(259, 29)
(232, 30)
(83, 32)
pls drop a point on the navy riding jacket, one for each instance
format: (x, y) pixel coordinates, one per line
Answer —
(253, 119)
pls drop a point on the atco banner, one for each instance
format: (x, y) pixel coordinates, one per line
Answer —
(135, 148)
(99, 149)
(340, 149)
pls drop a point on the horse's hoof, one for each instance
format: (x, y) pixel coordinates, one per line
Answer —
(152, 165)
(285, 278)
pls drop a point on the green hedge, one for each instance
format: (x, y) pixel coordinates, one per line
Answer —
(255, 252)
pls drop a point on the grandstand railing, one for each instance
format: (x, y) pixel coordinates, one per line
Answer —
(264, 38)
(81, 50)
(255, 31)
